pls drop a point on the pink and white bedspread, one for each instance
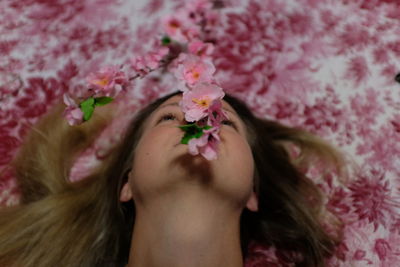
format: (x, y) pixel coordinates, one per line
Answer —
(328, 66)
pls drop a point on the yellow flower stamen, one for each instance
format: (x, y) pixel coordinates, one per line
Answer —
(102, 82)
(202, 102)
(196, 75)
(174, 24)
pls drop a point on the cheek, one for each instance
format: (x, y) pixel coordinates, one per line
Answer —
(240, 159)
(236, 153)
(148, 150)
(152, 160)
(157, 144)
(148, 159)
(235, 169)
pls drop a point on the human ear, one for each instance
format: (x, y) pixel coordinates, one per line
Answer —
(126, 193)
(252, 202)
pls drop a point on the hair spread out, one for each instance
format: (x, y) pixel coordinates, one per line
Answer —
(59, 223)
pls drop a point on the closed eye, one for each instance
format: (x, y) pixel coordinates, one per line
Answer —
(229, 123)
(166, 117)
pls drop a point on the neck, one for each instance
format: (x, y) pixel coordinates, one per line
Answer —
(191, 232)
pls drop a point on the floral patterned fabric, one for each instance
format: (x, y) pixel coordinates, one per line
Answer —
(328, 66)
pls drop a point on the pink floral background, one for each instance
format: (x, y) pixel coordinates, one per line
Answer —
(328, 66)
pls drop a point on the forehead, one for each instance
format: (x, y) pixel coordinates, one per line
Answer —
(176, 98)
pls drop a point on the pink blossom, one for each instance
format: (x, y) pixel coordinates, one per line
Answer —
(72, 113)
(144, 64)
(108, 81)
(199, 10)
(198, 6)
(216, 114)
(200, 48)
(212, 19)
(194, 70)
(180, 27)
(172, 26)
(206, 145)
(140, 66)
(196, 102)
(191, 33)
(153, 58)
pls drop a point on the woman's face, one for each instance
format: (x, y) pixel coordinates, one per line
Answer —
(162, 162)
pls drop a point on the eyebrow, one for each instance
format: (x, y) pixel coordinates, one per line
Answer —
(177, 104)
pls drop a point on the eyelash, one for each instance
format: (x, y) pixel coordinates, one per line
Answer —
(167, 116)
(229, 123)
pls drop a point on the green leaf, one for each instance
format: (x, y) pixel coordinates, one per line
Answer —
(187, 127)
(166, 40)
(101, 101)
(192, 131)
(87, 108)
(186, 138)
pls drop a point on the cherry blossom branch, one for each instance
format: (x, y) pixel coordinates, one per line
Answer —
(183, 47)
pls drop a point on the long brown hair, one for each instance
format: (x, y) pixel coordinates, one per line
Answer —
(60, 223)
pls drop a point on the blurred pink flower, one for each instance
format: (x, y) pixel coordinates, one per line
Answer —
(372, 200)
(216, 114)
(212, 19)
(180, 27)
(139, 65)
(196, 102)
(194, 70)
(108, 81)
(382, 248)
(72, 113)
(153, 58)
(199, 11)
(144, 64)
(206, 145)
(200, 48)
(198, 6)
(172, 25)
